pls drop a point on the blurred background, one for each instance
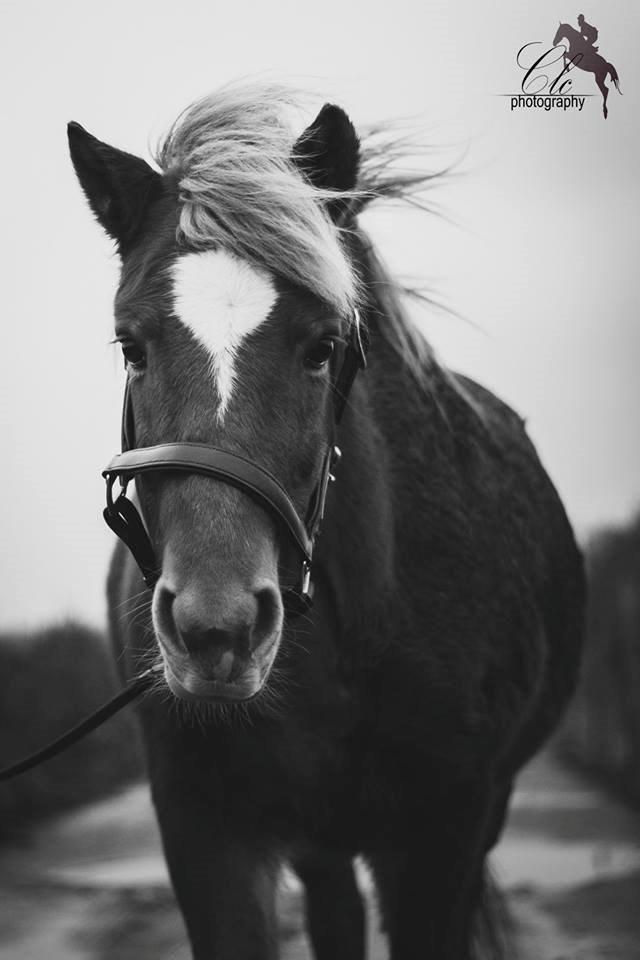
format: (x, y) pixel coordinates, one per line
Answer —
(533, 256)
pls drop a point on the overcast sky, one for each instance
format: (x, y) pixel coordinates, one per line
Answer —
(542, 261)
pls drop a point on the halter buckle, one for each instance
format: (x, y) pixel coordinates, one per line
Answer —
(305, 581)
(299, 600)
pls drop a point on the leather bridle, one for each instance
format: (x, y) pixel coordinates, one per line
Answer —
(124, 519)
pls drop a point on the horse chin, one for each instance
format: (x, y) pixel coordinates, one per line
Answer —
(196, 690)
(191, 680)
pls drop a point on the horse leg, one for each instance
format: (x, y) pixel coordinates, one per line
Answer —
(430, 890)
(335, 912)
(604, 89)
(225, 889)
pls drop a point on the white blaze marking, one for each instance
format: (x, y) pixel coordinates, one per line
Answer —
(221, 299)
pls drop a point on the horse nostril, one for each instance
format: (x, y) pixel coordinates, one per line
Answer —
(269, 616)
(163, 619)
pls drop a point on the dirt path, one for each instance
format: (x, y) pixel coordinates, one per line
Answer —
(93, 885)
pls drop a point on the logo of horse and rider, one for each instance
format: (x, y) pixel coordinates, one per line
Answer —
(578, 50)
(584, 54)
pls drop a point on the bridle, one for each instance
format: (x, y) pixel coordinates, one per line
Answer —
(123, 517)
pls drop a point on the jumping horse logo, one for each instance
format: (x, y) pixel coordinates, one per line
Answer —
(583, 54)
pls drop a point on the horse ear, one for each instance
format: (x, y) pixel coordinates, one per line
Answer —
(328, 154)
(117, 185)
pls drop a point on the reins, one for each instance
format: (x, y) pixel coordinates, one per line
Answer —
(123, 518)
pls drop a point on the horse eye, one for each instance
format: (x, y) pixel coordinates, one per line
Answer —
(132, 353)
(320, 353)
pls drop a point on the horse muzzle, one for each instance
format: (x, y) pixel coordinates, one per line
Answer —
(222, 648)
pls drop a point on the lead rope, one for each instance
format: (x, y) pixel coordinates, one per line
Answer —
(135, 687)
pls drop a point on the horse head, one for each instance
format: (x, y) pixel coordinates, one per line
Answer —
(234, 301)
(562, 33)
(574, 39)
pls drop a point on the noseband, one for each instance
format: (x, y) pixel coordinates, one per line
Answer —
(124, 519)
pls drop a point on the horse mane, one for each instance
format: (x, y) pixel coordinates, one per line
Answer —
(383, 176)
(232, 155)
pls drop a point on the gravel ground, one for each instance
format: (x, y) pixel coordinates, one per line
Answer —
(93, 886)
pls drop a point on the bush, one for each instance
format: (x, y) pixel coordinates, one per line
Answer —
(602, 729)
(49, 680)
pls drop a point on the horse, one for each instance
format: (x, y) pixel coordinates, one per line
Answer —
(585, 58)
(388, 719)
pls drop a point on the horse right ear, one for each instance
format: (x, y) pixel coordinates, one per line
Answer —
(117, 185)
(328, 154)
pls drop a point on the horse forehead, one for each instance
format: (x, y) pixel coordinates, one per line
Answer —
(221, 299)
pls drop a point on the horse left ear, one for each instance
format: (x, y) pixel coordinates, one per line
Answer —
(328, 154)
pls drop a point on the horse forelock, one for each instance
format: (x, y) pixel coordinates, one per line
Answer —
(239, 190)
